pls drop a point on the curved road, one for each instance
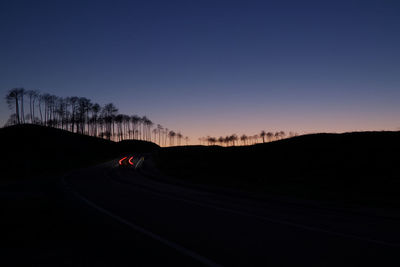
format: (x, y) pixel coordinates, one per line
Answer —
(204, 226)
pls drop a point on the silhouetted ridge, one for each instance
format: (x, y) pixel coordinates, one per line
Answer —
(31, 149)
(81, 115)
(359, 165)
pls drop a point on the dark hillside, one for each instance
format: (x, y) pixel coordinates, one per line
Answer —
(127, 146)
(31, 149)
(360, 166)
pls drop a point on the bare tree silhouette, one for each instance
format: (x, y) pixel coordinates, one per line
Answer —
(95, 117)
(160, 133)
(80, 115)
(135, 120)
(226, 140)
(262, 135)
(235, 139)
(32, 95)
(21, 95)
(149, 125)
(243, 138)
(179, 138)
(166, 131)
(276, 135)
(282, 134)
(73, 101)
(255, 138)
(171, 136)
(211, 140)
(118, 122)
(154, 131)
(221, 140)
(109, 112)
(12, 99)
(270, 136)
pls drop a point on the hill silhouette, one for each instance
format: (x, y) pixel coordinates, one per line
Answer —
(29, 149)
(355, 167)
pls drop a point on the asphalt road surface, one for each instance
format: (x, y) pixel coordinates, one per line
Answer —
(166, 223)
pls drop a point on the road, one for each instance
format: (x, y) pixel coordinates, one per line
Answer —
(206, 226)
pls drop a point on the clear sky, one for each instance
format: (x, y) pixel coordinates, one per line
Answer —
(213, 67)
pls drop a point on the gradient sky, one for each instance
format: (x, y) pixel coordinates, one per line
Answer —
(213, 67)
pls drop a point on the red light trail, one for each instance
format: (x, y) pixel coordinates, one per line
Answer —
(121, 160)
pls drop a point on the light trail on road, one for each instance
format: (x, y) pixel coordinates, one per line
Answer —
(121, 160)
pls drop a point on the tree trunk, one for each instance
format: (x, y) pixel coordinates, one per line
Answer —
(22, 108)
(17, 109)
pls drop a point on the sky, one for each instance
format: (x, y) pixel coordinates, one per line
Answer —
(213, 67)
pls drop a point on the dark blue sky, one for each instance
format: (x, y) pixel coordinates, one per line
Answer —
(213, 67)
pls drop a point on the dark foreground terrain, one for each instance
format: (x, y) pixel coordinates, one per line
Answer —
(360, 168)
(102, 214)
(30, 150)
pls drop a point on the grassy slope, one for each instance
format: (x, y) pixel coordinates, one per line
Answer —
(361, 167)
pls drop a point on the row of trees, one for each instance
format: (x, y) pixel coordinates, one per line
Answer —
(81, 115)
(234, 139)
